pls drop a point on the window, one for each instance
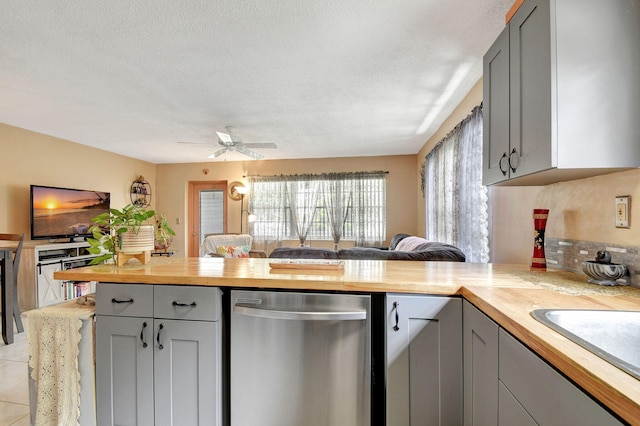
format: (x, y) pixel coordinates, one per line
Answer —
(211, 212)
(332, 207)
(456, 200)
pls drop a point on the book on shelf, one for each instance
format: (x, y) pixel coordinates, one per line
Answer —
(75, 289)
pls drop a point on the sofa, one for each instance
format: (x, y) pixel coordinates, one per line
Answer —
(229, 245)
(402, 247)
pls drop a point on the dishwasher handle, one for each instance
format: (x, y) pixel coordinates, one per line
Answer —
(300, 315)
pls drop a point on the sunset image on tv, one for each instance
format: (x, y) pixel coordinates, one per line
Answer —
(59, 212)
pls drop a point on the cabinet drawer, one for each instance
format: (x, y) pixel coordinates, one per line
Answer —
(547, 396)
(129, 300)
(187, 302)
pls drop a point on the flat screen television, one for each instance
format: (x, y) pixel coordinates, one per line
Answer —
(64, 212)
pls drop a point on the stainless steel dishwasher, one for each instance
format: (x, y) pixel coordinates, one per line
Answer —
(300, 359)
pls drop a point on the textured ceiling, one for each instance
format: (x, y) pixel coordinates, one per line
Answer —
(327, 78)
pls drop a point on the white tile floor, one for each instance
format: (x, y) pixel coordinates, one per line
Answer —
(14, 385)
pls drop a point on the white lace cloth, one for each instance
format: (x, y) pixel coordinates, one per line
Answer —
(53, 334)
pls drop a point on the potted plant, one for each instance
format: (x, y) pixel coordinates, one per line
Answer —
(126, 231)
(163, 233)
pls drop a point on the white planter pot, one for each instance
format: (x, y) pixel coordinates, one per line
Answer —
(140, 242)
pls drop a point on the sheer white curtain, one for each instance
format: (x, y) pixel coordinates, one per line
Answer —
(337, 198)
(369, 208)
(271, 195)
(325, 206)
(456, 200)
(303, 193)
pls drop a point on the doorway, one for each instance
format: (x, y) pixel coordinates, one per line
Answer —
(207, 212)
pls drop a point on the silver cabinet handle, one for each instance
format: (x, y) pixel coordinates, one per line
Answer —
(300, 315)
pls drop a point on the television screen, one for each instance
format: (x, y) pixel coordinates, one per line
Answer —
(64, 212)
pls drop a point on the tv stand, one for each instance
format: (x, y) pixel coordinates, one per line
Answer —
(40, 260)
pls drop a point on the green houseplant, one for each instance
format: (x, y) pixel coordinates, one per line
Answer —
(163, 233)
(111, 228)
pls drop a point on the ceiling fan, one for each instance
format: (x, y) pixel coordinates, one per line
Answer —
(230, 142)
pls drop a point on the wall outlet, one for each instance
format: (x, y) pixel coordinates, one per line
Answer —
(623, 211)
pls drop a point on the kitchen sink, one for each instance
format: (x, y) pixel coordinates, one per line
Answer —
(612, 335)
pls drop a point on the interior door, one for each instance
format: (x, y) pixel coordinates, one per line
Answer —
(207, 212)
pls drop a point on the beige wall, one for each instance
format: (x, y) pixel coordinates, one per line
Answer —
(33, 158)
(585, 210)
(578, 210)
(173, 181)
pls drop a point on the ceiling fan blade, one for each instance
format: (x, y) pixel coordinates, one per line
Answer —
(218, 153)
(248, 152)
(232, 134)
(265, 145)
(224, 138)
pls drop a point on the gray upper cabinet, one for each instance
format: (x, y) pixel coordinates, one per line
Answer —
(561, 81)
(424, 360)
(495, 110)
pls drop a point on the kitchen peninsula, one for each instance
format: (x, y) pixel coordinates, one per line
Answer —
(505, 293)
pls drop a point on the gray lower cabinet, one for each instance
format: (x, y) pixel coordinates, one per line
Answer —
(511, 412)
(547, 396)
(124, 371)
(158, 355)
(424, 360)
(507, 384)
(480, 349)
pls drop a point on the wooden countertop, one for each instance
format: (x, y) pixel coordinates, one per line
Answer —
(359, 275)
(506, 293)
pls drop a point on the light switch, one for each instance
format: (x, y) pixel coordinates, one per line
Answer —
(623, 211)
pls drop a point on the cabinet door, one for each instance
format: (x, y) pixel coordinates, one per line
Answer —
(49, 289)
(424, 360)
(124, 370)
(480, 348)
(187, 372)
(511, 412)
(548, 397)
(530, 80)
(495, 111)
